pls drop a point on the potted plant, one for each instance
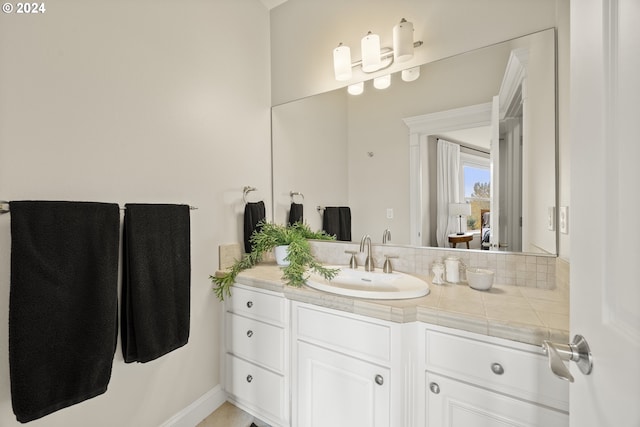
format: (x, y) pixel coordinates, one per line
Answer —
(267, 237)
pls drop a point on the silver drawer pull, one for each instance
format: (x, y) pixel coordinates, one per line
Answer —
(435, 388)
(249, 304)
(249, 378)
(249, 333)
(379, 379)
(497, 369)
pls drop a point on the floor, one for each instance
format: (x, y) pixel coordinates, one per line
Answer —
(229, 415)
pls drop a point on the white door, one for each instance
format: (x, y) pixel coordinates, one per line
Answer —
(605, 207)
(494, 220)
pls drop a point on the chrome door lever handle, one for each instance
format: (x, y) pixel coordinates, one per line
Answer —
(578, 351)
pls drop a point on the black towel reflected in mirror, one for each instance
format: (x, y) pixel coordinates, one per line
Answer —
(254, 212)
(336, 221)
(296, 213)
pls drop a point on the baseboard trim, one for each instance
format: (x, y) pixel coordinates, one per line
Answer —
(198, 410)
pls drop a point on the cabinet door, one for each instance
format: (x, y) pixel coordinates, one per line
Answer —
(337, 390)
(453, 403)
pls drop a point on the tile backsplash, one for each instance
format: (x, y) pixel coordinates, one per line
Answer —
(531, 270)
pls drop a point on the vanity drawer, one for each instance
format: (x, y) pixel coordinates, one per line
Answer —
(346, 333)
(256, 386)
(257, 305)
(520, 373)
(254, 340)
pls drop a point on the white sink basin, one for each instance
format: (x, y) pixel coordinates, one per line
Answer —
(370, 284)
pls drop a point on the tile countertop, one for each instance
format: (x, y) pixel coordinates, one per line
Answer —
(517, 313)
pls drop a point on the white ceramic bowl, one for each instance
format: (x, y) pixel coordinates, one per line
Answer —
(479, 278)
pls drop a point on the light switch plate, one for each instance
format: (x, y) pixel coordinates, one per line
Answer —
(564, 219)
(389, 213)
(551, 218)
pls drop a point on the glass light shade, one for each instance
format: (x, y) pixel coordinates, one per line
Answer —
(403, 41)
(410, 74)
(342, 62)
(371, 53)
(356, 89)
(382, 82)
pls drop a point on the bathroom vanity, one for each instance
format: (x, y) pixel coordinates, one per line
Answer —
(302, 357)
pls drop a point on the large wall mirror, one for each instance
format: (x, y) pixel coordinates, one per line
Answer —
(377, 152)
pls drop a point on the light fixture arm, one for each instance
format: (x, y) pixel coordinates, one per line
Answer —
(385, 54)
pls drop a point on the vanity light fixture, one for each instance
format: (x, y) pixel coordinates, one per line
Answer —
(375, 58)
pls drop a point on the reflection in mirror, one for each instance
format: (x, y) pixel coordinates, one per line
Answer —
(376, 152)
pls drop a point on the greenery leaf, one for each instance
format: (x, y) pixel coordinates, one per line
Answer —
(266, 237)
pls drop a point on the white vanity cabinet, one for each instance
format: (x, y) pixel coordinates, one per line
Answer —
(256, 353)
(476, 380)
(345, 370)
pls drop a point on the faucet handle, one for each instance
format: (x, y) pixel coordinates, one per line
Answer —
(387, 263)
(353, 262)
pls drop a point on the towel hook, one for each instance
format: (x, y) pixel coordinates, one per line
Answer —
(296, 193)
(245, 191)
(320, 209)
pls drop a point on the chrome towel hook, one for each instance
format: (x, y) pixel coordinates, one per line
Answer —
(292, 194)
(245, 191)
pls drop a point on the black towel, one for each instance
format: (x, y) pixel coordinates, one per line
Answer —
(63, 305)
(295, 213)
(254, 212)
(156, 282)
(336, 221)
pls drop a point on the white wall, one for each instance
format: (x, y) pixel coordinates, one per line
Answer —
(538, 173)
(305, 32)
(141, 101)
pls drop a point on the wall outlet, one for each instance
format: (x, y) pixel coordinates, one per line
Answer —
(389, 213)
(564, 219)
(551, 218)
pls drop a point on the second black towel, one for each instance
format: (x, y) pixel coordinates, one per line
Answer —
(336, 221)
(156, 283)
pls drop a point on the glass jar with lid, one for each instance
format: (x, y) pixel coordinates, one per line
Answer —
(452, 267)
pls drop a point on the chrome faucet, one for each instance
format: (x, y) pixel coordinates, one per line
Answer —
(368, 263)
(386, 236)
